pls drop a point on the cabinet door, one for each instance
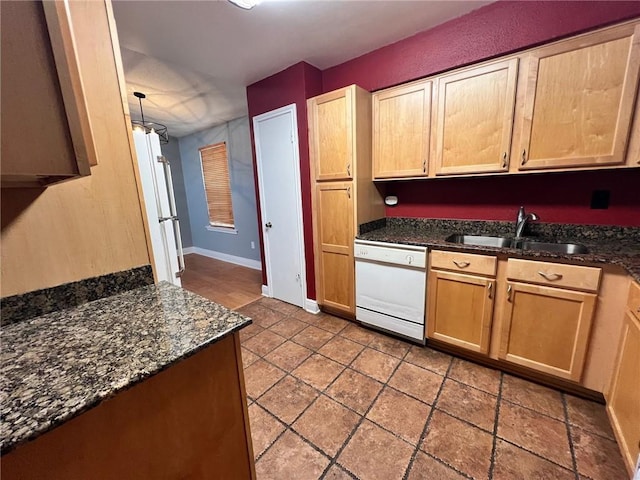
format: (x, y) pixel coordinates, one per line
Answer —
(547, 329)
(624, 396)
(579, 101)
(46, 132)
(460, 310)
(401, 131)
(331, 126)
(335, 267)
(475, 118)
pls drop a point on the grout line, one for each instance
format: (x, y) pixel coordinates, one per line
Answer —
(495, 428)
(362, 419)
(511, 442)
(570, 437)
(423, 434)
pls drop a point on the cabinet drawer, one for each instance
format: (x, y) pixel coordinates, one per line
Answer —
(464, 262)
(555, 274)
(634, 299)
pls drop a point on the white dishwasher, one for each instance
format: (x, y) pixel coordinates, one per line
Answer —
(391, 282)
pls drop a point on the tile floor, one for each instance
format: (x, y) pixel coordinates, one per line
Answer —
(329, 399)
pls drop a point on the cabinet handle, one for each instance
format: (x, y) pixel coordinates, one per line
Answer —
(461, 264)
(490, 289)
(424, 166)
(349, 192)
(348, 169)
(550, 276)
(504, 160)
(524, 156)
(509, 288)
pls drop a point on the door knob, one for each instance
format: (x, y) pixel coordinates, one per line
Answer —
(268, 225)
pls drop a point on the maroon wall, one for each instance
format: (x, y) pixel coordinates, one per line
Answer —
(490, 31)
(293, 85)
(493, 30)
(555, 197)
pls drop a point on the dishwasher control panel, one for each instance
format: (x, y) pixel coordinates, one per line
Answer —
(392, 253)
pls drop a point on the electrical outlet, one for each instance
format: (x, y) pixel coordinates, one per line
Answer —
(253, 245)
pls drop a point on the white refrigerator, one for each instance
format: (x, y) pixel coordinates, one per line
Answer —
(160, 205)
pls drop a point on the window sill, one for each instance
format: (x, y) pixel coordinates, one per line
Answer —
(230, 230)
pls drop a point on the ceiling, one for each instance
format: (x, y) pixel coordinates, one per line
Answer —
(194, 59)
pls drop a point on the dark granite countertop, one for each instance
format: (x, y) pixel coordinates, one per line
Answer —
(58, 365)
(613, 245)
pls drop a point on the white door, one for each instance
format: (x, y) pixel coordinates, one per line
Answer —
(276, 143)
(157, 189)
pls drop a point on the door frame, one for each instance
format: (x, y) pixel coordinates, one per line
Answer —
(267, 290)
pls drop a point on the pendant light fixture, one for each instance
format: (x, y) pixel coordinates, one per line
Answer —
(160, 129)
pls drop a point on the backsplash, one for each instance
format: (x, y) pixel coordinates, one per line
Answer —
(40, 302)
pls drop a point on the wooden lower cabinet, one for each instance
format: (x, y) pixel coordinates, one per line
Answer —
(547, 329)
(623, 404)
(460, 309)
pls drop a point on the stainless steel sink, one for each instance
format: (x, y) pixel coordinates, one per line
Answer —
(567, 248)
(480, 240)
(507, 242)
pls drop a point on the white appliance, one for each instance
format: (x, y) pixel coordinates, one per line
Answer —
(391, 281)
(160, 205)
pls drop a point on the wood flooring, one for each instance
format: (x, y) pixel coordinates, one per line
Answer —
(225, 283)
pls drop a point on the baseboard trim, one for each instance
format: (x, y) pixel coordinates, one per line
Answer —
(311, 306)
(225, 257)
(265, 291)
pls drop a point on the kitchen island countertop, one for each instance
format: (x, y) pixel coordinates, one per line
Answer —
(56, 366)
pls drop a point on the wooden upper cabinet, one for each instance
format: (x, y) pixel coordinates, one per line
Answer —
(331, 132)
(401, 131)
(475, 118)
(579, 100)
(46, 130)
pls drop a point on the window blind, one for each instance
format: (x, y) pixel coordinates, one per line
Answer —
(217, 185)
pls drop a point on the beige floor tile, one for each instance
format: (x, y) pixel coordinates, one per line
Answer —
(326, 424)
(291, 458)
(514, 463)
(336, 472)
(248, 357)
(463, 446)
(477, 376)
(288, 355)
(318, 371)
(265, 317)
(417, 382)
(427, 468)
(250, 331)
(467, 403)
(331, 323)
(531, 395)
(597, 457)
(288, 399)
(373, 453)
(265, 428)
(375, 364)
(354, 390)
(401, 414)
(288, 327)
(313, 337)
(389, 345)
(535, 432)
(260, 376)
(264, 342)
(589, 416)
(341, 350)
(358, 334)
(429, 358)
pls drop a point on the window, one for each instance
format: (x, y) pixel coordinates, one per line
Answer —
(217, 185)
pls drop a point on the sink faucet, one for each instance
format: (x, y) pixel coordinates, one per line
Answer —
(522, 220)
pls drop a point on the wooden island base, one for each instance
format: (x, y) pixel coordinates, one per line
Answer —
(189, 421)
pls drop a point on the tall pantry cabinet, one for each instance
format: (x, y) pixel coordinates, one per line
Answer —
(344, 195)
